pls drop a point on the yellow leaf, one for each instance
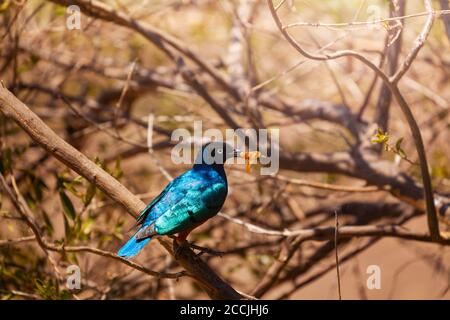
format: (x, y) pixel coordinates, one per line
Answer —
(4, 6)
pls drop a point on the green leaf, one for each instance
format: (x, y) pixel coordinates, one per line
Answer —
(70, 186)
(61, 180)
(99, 162)
(77, 228)
(46, 289)
(48, 223)
(398, 143)
(6, 160)
(86, 227)
(40, 287)
(118, 230)
(398, 148)
(72, 258)
(117, 171)
(67, 230)
(37, 185)
(67, 205)
(90, 193)
(60, 11)
(65, 295)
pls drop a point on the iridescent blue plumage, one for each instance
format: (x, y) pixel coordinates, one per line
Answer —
(189, 200)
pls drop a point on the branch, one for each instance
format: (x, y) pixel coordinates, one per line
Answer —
(273, 274)
(26, 213)
(392, 83)
(17, 241)
(327, 268)
(192, 80)
(294, 271)
(336, 233)
(323, 57)
(418, 44)
(393, 53)
(433, 222)
(328, 186)
(14, 109)
(159, 38)
(315, 109)
(328, 233)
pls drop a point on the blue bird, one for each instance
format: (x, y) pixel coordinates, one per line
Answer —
(188, 201)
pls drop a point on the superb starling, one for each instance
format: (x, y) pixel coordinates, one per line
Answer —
(188, 201)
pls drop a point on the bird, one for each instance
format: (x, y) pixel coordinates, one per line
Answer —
(187, 201)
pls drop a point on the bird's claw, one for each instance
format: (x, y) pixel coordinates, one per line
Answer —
(179, 247)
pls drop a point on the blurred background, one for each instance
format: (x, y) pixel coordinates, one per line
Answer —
(96, 87)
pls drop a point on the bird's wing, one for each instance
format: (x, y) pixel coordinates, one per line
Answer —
(149, 207)
(196, 206)
(172, 194)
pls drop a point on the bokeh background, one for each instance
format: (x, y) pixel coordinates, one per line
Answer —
(97, 86)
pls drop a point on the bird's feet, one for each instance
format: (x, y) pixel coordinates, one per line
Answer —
(179, 246)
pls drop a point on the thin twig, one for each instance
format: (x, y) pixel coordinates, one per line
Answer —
(336, 233)
(392, 83)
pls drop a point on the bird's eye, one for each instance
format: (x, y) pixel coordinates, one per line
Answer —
(219, 151)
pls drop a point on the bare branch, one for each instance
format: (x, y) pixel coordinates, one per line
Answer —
(324, 57)
(391, 82)
(445, 18)
(17, 241)
(418, 44)
(159, 38)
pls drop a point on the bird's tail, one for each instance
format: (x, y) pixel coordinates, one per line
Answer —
(133, 246)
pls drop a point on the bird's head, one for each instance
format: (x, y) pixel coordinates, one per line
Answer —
(216, 153)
